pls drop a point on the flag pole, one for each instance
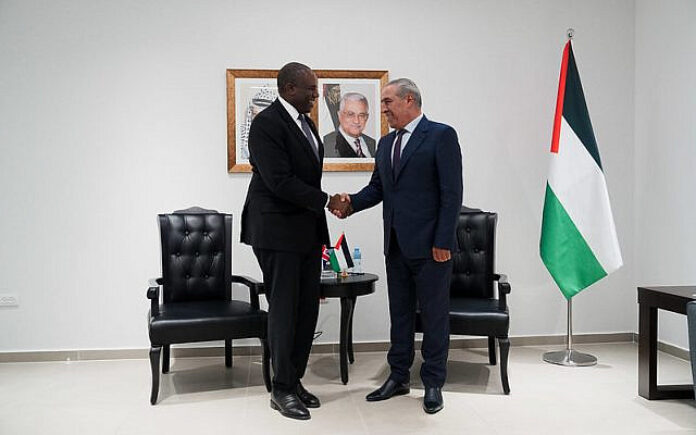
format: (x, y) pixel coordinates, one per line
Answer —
(570, 357)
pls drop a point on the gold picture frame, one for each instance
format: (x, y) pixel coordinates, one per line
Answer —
(249, 91)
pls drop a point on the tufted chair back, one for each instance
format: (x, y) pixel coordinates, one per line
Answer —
(196, 255)
(473, 267)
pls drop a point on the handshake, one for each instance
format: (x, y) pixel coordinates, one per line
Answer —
(339, 205)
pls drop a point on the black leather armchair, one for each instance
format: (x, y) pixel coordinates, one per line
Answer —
(474, 309)
(196, 287)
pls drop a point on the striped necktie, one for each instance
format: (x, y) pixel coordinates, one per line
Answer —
(308, 133)
(359, 148)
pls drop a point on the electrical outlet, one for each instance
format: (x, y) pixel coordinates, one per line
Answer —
(8, 300)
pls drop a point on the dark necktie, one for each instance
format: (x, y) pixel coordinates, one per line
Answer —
(308, 133)
(358, 148)
(397, 152)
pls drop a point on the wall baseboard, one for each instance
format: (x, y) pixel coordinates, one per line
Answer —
(673, 350)
(324, 348)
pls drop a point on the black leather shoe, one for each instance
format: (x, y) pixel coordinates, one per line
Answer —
(432, 401)
(309, 399)
(289, 405)
(388, 390)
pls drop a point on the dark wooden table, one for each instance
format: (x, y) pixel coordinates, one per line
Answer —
(670, 298)
(347, 289)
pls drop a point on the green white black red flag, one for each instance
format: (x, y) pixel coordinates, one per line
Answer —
(578, 242)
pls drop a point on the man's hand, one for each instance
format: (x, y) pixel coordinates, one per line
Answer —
(441, 255)
(339, 205)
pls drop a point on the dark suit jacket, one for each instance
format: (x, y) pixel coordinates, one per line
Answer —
(422, 202)
(284, 208)
(336, 145)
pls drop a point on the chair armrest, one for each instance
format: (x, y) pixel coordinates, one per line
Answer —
(503, 290)
(255, 288)
(153, 295)
(250, 282)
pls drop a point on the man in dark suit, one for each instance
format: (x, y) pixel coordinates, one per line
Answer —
(284, 221)
(418, 178)
(348, 140)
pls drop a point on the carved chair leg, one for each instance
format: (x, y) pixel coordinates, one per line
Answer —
(165, 358)
(228, 353)
(491, 350)
(154, 365)
(504, 343)
(266, 359)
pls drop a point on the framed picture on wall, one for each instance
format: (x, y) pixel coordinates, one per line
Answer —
(347, 115)
(249, 91)
(349, 119)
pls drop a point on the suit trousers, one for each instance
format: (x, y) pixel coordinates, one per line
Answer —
(422, 283)
(291, 283)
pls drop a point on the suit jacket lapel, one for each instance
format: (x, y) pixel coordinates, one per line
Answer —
(388, 155)
(292, 125)
(371, 149)
(345, 150)
(320, 145)
(413, 143)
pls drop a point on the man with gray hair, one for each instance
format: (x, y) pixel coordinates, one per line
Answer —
(418, 180)
(348, 140)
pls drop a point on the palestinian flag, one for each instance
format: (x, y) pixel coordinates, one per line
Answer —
(329, 256)
(578, 238)
(342, 253)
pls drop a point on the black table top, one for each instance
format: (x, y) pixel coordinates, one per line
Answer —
(350, 286)
(682, 291)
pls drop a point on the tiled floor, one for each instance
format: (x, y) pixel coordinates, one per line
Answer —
(201, 396)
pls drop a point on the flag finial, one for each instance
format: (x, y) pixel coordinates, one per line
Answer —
(570, 33)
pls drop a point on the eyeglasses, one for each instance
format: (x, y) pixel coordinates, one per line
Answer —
(352, 115)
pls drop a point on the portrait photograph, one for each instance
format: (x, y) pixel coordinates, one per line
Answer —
(252, 96)
(248, 93)
(349, 118)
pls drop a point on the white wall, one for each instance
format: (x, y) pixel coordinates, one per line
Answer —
(112, 112)
(666, 151)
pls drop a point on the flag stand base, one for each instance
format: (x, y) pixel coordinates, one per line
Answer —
(570, 357)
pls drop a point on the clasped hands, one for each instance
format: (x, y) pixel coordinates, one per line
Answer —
(339, 205)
